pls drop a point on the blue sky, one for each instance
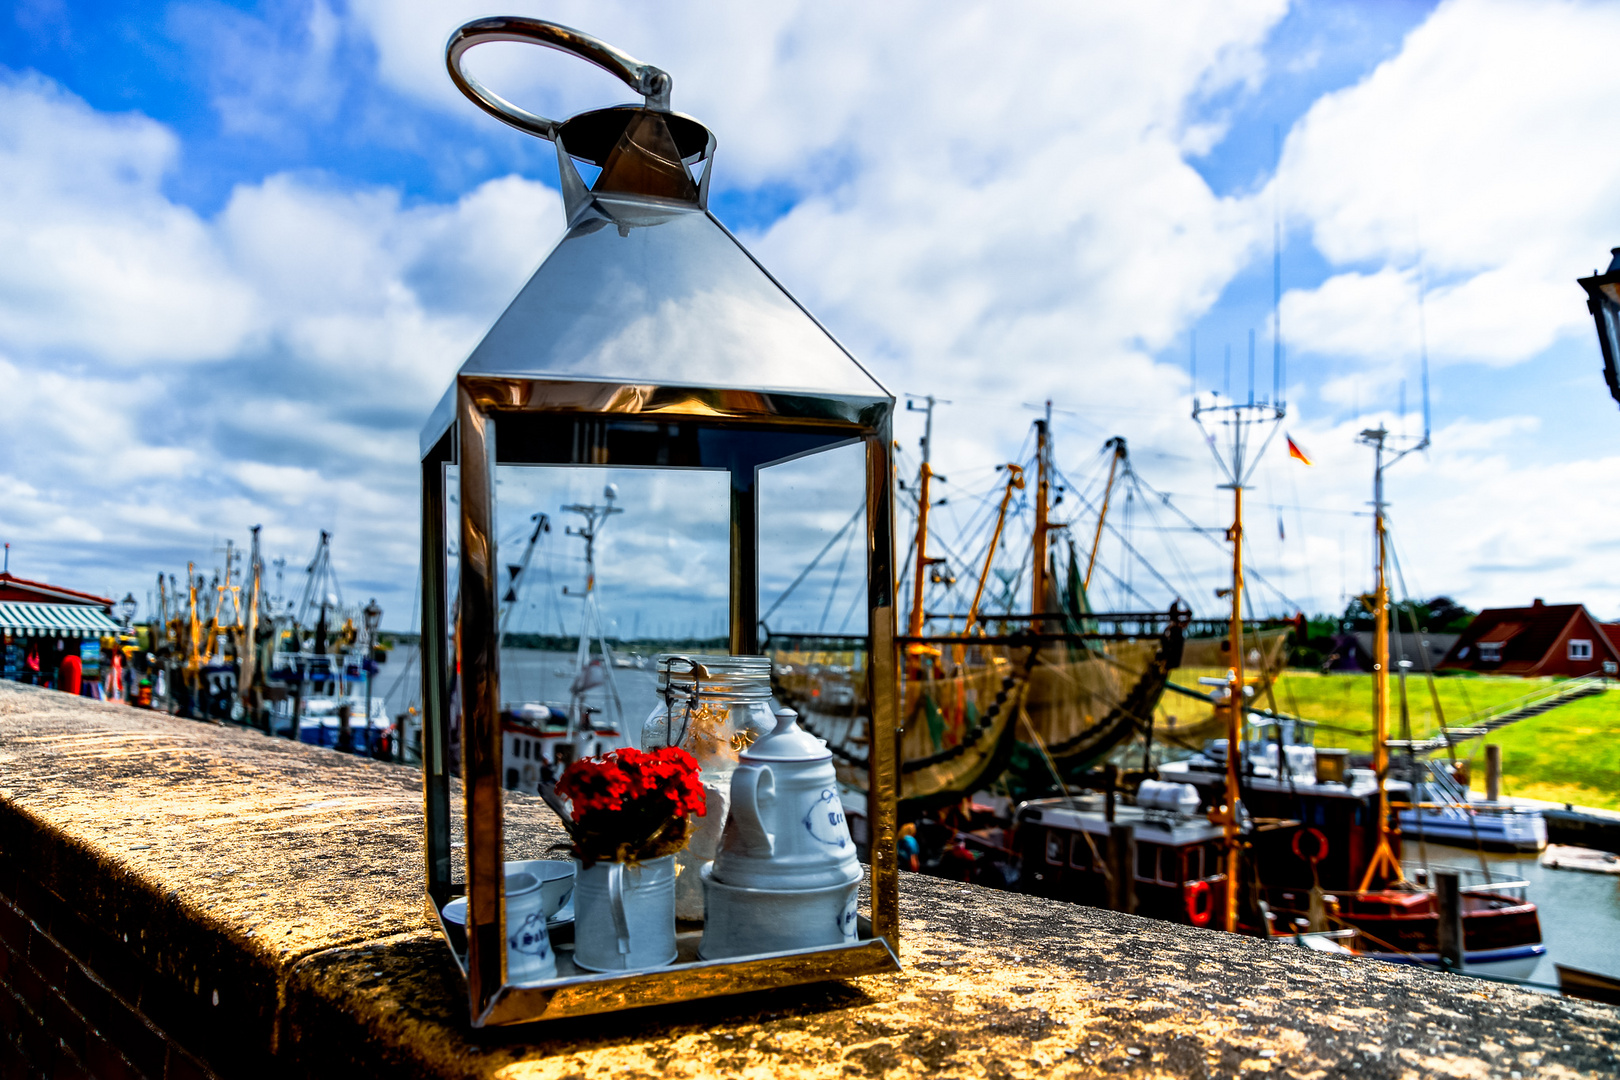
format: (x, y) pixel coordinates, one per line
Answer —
(246, 245)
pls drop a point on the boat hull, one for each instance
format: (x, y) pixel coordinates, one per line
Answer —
(1517, 832)
(1518, 962)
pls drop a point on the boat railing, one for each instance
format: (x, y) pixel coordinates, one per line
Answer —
(1472, 881)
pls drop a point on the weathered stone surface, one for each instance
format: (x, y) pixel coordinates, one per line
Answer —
(287, 878)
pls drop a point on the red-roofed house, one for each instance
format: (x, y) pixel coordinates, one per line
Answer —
(1542, 639)
(22, 591)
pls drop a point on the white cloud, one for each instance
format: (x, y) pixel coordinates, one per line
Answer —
(1478, 144)
(96, 260)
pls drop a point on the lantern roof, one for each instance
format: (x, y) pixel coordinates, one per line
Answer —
(646, 292)
(639, 291)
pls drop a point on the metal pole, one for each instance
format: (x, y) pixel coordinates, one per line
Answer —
(1493, 772)
(1448, 896)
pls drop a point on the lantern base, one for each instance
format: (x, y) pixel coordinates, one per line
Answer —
(577, 992)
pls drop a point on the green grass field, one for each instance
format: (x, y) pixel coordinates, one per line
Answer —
(1567, 754)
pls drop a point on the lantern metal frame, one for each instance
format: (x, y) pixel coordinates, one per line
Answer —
(570, 414)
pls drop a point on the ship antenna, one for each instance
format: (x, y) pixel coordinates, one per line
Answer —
(1423, 348)
(1279, 377)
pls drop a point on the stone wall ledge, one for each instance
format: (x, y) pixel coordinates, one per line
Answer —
(180, 899)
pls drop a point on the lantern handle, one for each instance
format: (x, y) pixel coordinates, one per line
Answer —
(652, 83)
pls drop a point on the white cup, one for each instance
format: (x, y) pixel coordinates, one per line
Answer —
(529, 957)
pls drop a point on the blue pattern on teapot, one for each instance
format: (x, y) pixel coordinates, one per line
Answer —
(825, 820)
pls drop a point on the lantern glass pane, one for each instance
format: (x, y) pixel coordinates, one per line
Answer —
(814, 603)
(578, 637)
(812, 522)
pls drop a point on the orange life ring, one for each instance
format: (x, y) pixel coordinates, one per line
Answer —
(1321, 846)
(1200, 905)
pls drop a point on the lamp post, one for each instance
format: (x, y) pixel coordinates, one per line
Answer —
(1603, 301)
(372, 616)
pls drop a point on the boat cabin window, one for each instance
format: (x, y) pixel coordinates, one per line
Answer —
(1080, 852)
(1192, 864)
(1580, 649)
(1054, 847)
(1147, 861)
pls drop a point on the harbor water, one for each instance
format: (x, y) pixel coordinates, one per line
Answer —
(526, 675)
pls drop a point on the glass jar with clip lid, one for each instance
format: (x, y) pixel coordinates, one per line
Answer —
(713, 707)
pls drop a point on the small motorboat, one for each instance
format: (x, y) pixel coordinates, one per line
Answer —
(1573, 982)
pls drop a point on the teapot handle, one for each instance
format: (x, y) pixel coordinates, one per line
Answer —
(746, 793)
(650, 82)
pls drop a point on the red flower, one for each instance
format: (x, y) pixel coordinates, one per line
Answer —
(629, 805)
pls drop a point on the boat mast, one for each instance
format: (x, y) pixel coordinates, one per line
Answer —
(595, 517)
(1383, 859)
(1015, 482)
(1118, 443)
(1043, 488)
(924, 474)
(247, 652)
(1238, 465)
(542, 524)
(1235, 713)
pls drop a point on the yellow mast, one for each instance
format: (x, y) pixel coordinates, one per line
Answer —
(921, 569)
(1118, 444)
(194, 644)
(1015, 482)
(1383, 859)
(247, 651)
(1234, 716)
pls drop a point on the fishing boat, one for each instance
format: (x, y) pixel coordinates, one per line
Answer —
(322, 657)
(1442, 813)
(990, 696)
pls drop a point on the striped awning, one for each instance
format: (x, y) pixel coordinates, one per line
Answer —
(74, 620)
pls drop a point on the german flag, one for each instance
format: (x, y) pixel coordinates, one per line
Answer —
(1295, 452)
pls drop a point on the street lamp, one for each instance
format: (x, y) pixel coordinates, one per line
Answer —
(1603, 301)
(371, 614)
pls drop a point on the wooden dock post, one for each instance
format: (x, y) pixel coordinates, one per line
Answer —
(1448, 894)
(1493, 772)
(1122, 868)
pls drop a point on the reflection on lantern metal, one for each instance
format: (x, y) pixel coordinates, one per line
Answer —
(649, 337)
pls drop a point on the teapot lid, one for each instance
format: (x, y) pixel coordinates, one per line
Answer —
(787, 742)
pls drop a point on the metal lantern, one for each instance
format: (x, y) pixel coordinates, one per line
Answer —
(1603, 301)
(649, 338)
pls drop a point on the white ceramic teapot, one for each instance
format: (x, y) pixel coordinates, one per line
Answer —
(786, 829)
